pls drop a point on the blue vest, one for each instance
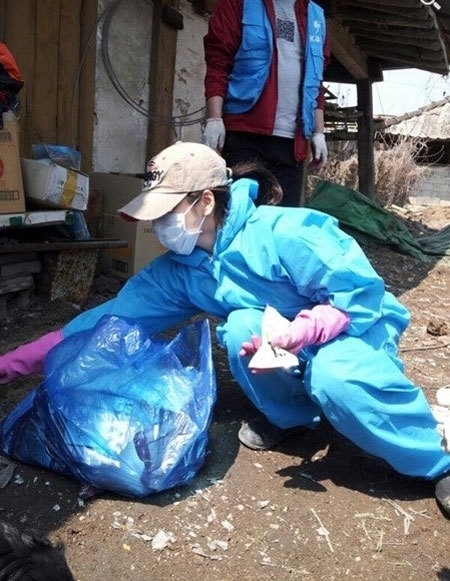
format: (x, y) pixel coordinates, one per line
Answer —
(253, 57)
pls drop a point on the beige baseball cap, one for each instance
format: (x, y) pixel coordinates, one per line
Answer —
(172, 174)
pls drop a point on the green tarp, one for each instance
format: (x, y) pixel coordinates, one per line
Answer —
(369, 223)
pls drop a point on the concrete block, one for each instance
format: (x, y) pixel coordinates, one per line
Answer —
(68, 275)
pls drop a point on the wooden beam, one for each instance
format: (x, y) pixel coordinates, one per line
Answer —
(45, 75)
(161, 82)
(337, 73)
(406, 63)
(387, 40)
(339, 135)
(382, 18)
(68, 62)
(366, 155)
(408, 55)
(84, 86)
(402, 4)
(345, 51)
(3, 25)
(427, 31)
(415, 10)
(441, 38)
(18, 25)
(353, 20)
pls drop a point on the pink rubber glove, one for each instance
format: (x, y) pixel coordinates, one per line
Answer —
(312, 327)
(28, 358)
(250, 347)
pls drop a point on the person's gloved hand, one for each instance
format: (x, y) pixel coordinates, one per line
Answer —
(28, 358)
(214, 133)
(319, 151)
(312, 327)
(250, 347)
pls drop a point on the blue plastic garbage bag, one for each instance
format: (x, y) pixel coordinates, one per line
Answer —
(118, 410)
(59, 154)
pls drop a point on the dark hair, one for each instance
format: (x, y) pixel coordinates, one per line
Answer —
(269, 190)
(29, 557)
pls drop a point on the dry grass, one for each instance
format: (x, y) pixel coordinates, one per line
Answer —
(395, 171)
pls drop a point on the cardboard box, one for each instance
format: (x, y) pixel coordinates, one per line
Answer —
(115, 189)
(143, 246)
(49, 185)
(11, 184)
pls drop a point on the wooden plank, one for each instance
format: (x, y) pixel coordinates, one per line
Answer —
(442, 40)
(398, 6)
(20, 268)
(382, 16)
(69, 58)
(45, 78)
(408, 58)
(427, 31)
(85, 88)
(162, 74)
(16, 284)
(378, 38)
(3, 14)
(18, 257)
(57, 245)
(10, 19)
(347, 53)
(27, 27)
(18, 25)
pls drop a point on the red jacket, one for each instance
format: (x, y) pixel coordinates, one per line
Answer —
(221, 43)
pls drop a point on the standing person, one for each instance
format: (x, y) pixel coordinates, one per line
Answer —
(263, 86)
(230, 258)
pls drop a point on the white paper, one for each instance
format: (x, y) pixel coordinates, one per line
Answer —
(268, 357)
(441, 413)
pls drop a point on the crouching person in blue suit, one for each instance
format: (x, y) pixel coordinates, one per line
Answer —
(231, 253)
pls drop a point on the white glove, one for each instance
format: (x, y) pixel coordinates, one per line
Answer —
(214, 133)
(320, 150)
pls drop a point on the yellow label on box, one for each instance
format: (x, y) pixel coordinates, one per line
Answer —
(69, 189)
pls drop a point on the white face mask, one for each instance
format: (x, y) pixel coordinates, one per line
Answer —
(172, 233)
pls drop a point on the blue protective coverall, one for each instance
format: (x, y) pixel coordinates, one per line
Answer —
(293, 259)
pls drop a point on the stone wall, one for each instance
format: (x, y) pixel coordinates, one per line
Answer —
(433, 185)
(122, 87)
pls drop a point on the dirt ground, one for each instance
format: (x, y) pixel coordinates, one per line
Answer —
(316, 508)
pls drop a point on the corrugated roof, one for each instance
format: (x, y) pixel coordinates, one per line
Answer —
(430, 122)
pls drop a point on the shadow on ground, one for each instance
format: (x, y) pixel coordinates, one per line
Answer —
(324, 455)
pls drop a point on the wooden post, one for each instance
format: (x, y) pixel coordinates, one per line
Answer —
(46, 73)
(366, 151)
(17, 21)
(84, 90)
(162, 72)
(68, 55)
